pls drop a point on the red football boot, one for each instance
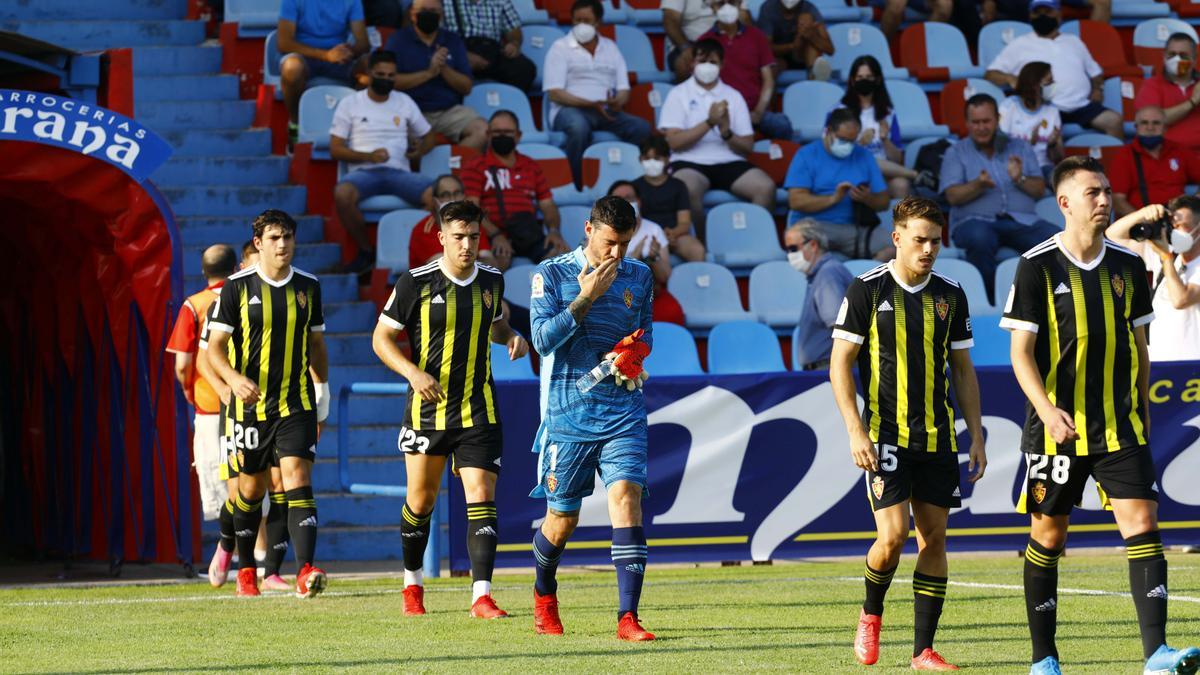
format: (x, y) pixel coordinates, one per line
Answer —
(630, 630)
(414, 600)
(310, 581)
(247, 583)
(545, 614)
(931, 660)
(866, 639)
(485, 608)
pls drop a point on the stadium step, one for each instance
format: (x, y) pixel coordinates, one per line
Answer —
(371, 440)
(201, 87)
(350, 317)
(351, 349)
(233, 200)
(98, 35)
(204, 231)
(383, 470)
(219, 142)
(334, 287)
(375, 409)
(73, 10)
(167, 115)
(359, 543)
(151, 61)
(309, 257)
(338, 509)
(223, 171)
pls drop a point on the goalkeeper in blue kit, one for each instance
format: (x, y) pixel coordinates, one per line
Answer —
(588, 307)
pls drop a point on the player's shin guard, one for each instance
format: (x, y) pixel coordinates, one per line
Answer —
(1148, 584)
(414, 535)
(878, 583)
(546, 555)
(277, 532)
(481, 544)
(629, 557)
(247, 514)
(225, 521)
(1041, 601)
(302, 523)
(929, 594)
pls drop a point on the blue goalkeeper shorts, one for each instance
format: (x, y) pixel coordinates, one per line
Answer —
(567, 471)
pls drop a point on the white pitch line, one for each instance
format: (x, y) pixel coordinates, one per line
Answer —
(1014, 587)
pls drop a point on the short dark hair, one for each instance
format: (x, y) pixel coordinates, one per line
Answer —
(446, 176)
(841, 116)
(381, 56)
(621, 183)
(218, 262)
(981, 99)
(709, 46)
(913, 208)
(505, 112)
(273, 218)
(594, 5)
(249, 249)
(1175, 37)
(461, 212)
(613, 212)
(656, 143)
(1189, 202)
(1073, 165)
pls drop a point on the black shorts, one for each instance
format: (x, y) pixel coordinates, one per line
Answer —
(474, 447)
(930, 477)
(1054, 483)
(260, 444)
(720, 176)
(1083, 116)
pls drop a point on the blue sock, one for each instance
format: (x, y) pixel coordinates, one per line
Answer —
(546, 555)
(629, 557)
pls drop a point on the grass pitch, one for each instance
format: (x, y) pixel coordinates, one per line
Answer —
(795, 618)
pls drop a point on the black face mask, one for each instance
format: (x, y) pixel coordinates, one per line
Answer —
(381, 86)
(1044, 25)
(864, 87)
(428, 21)
(503, 145)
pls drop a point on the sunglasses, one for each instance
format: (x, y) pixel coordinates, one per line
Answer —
(792, 248)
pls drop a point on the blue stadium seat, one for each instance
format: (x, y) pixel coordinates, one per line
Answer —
(708, 294)
(674, 352)
(517, 284)
(530, 15)
(928, 45)
(617, 161)
(777, 293)
(255, 18)
(1116, 91)
(488, 97)
(505, 369)
(395, 232)
(1127, 12)
(1005, 273)
(971, 281)
(836, 11)
(1092, 139)
(861, 266)
(536, 42)
(718, 197)
(807, 104)
(851, 40)
(639, 55)
(992, 346)
(1047, 210)
(1150, 36)
(572, 219)
(738, 347)
(912, 110)
(995, 36)
(742, 235)
(317, 105)
(913, 148)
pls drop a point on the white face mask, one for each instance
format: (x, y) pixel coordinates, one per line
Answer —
(789, 4)
(798, 262)
(1047, 92)
(840, 148)
(727, 14)
(1181, 242)
(706, 73)
(583, 32)
(637, 214)
(653, 167)
(1173, 66)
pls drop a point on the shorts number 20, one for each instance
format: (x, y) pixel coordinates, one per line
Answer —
(409, 438)
(245, 438)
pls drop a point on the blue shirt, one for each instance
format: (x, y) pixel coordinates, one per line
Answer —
(963, 162)
(321, 23)
(413, 56)
(819, 172)
(569, 350)
(827, 283)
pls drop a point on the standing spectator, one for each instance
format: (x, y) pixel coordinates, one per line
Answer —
(664, 200)
(1175, 91)
(1079, 80)
(424, 245)
(798, 36)
(992, 183)
(893, 13)
(749, 66)
(311, 36)
(707, 125)
(492, 30)
(370, 134)
(588, 85)
(807, 251)
(838, 184)
(1028, 115)
(1151, 169)
(684, 21)
(649, 245)
(511, 188)
(435, 71)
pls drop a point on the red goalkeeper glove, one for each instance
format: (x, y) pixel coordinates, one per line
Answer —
(628, 355)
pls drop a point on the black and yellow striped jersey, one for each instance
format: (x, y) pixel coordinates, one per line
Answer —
(905, 335)
(269, 323)
(449, 326)
(1084, 317)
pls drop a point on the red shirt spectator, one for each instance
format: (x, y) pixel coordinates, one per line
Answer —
(522, 186)
(1166, 176)
(424, 245)
(1163, 93)
(747, 52)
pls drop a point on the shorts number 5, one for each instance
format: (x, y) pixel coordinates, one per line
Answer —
(887, 458)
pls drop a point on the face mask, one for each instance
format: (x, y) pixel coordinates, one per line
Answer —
(1178, 66)
(427, 21)
(1047, 91)
(653, 167)
(789, 4)
(840, 148)
(727, 14)
(381, 86)
(864, 87)
(1044, 25)
(583, 32)
(706, 73)
(503, 145)
(1150, 142)
(1181, 242)
(798, 262)
(637, 214)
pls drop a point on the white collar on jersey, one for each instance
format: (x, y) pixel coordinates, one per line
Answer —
(463, 282)
(276, 284)
(1086, 267)
(911, 289)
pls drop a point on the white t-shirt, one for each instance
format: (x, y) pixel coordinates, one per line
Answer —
(1070, 62)
(696, 16)
(1175, 333)
(1035, 128)
(644, 237)
(368, 125)
(593, 77)
(687, 105)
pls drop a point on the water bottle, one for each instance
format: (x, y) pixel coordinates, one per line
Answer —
(594, 376)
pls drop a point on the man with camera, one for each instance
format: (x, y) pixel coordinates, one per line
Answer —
(1166, 238)
(1150, 169)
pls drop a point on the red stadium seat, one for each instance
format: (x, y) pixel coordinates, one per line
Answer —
(1104, 43)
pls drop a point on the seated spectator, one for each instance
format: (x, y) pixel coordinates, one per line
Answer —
(867, 96)
(588, 84)
(370, 134)
(435, 71)
(707, 125)
(1078, 79)
(992, 183)
(492, 30)
(511, 188)
(1166, 166)
(837, 183)
(649, 244)
(1175, 91)
(749, 67)
(383, 13)
(893, 13)
(1018, 10)
(311, 36)
(798, 36)
(1174, 262)
(424, 245)
(684, 21)
(828, 279)
(664, 200)
(1029, 116)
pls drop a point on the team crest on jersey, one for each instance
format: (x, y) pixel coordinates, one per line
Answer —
(877, 487)
(1039, 491)
(302, 299)
(551, 483)
(396, 120)
(487, 298)
(942, 307)
(1118, 284)
(628, 298)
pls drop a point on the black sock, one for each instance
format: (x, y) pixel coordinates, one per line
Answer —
(929, 594)
(1041, 602)
(277, 532)
(225, 520)
(246, 516)
(546, 555)
(481, 539)
(877, 587)
(414, 536)
(302, 523)
(1148, 584)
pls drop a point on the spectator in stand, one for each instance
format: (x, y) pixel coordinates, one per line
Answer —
(1150, 169)
(588, 85)
(370, 133)
(1028, 115)
(798, 36)
(1174, 262)
(707, 125)
(893, 13)
(684, 21)
(492, 30)
(867, 97)
(1018, 10)
(992, 183)
(511, 188)
(424, 245)
(749, 67)
(311, 36)
(649, 244)
(1175, 91)
(435, 71)
(837, 183)
(383, 13)
(1079, 80)
(664, 200)
(807, 252)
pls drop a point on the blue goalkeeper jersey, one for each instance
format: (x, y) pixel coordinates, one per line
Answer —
(569, 350)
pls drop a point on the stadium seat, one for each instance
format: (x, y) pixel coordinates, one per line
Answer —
(912, 110)
(317, 105)
(645, 12)
(529, 13)
(913, 148)
(271, 57)
(742, 235)
(775, 157)
(836, 11)
(1104, 43)
(1149, 38)
(717, 197)
(443, 159)
(536, 42)
(860, 266)
(517, 284)
(971, 281)
(674, 352)
(639, 55)
(936, 52)
(954, 98)
(991, 343)
(554, 164)
(777, 293)
(807, 104)
(739, 347)
(1006, 271)
(255, 18)
(1126, 13)
(488, 97)
(573, 219)
(646, 100)
(1119, 94)
(505, 369)
(851, 40)
(708, 294)
(395, 232)
(995, 36)
(1100, 146)
(1047, 210)
(607, 162)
